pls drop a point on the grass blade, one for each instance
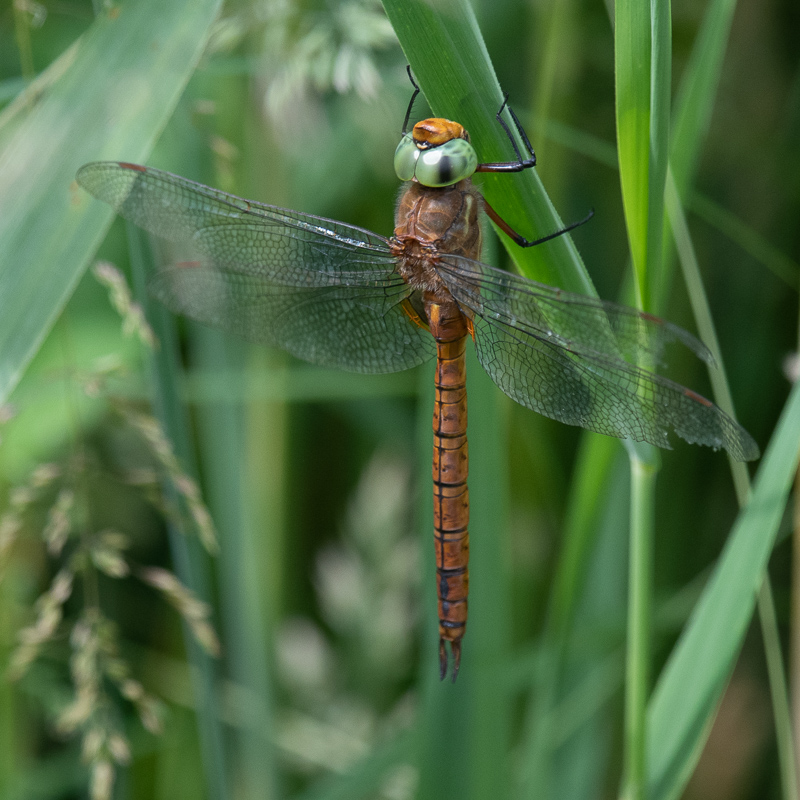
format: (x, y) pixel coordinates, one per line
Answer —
(190, 561)
(642, 47)
(691, 684)
(660, 100)
(695, 102)
(694, 105)
(741, 478)
(632, 74)
(110, 96)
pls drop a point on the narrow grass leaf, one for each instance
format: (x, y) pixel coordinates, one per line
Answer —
(641, 68)
(741, 478)
(660, 101)
(189, 559)
(702, 315)
(693, 107)
(695, 676)
(779, 691)
(632, 74)
(748, 238)
(697, 93)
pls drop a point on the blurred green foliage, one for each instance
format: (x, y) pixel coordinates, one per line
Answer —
(318, 482)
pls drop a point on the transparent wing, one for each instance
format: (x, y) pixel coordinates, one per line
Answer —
(575, 320)
(572, 358)
(323, 290)
(361, 329)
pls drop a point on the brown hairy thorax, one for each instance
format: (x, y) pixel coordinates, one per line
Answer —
(433, 222)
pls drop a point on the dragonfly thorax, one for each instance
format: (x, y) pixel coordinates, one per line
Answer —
(432, 223)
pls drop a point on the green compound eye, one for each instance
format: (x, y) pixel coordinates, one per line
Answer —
(405, 158)
(446, 164)
(443, 165)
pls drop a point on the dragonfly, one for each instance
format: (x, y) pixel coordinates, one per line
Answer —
(341, 296)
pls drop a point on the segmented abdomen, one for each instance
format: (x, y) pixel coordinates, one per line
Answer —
(451, 496)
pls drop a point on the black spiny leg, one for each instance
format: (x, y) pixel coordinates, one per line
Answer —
(521, 163)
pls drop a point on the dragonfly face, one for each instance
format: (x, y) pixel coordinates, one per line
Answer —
(341, 296)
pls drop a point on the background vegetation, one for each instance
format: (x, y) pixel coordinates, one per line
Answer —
(324, 680)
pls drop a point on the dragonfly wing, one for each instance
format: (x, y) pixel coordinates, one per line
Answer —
(560, 374)
(360, 330)
(323, 290)
(577, 320)
(241, 235)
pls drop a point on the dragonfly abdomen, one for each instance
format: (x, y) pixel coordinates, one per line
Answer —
(450, 470)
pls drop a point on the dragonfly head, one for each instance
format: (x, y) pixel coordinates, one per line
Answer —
(436, 153)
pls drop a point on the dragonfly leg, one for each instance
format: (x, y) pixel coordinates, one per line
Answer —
(521, 240)
(413, 98)
(521, 163)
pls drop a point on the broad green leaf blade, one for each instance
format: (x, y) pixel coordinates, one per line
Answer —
(110, 98)
(449, 60)
(695, 676)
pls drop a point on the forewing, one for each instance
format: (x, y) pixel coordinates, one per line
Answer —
(577, 374)
(323, 290)
(250, 238)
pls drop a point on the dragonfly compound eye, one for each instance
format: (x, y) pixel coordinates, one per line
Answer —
(443, 165)
(405, 158)
(446, 164)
